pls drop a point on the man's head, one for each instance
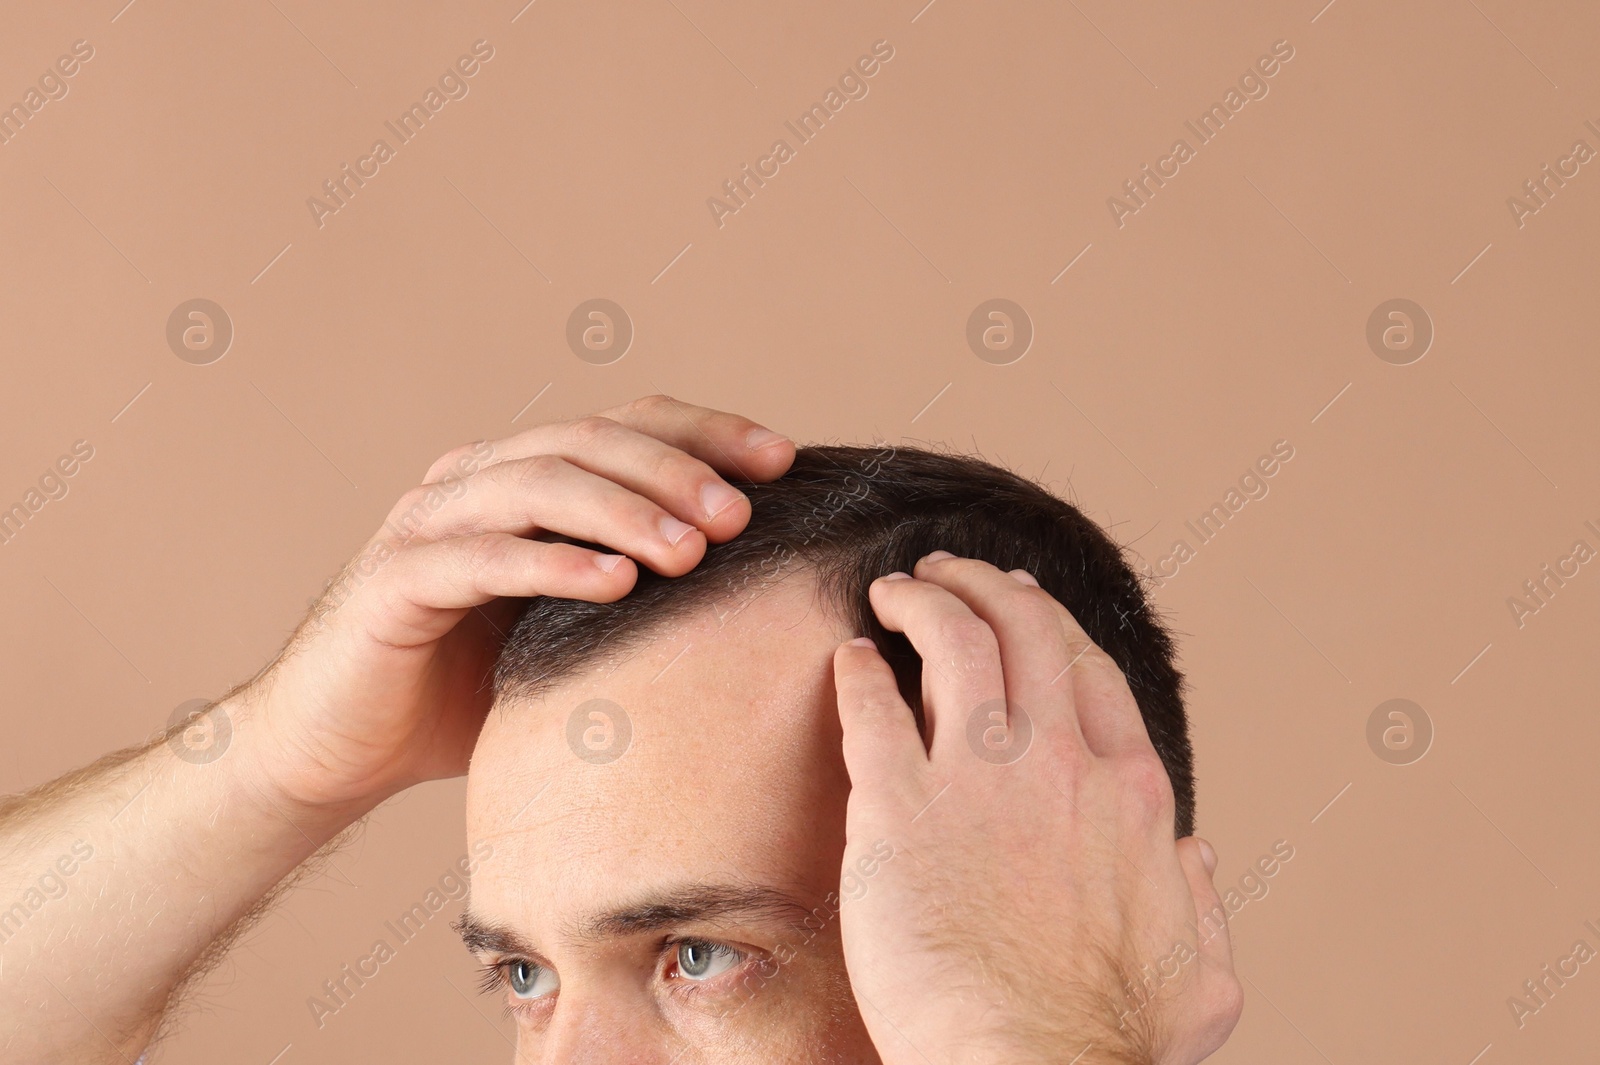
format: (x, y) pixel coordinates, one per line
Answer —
(662, 786)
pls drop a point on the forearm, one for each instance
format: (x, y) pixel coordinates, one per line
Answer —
(118, 881)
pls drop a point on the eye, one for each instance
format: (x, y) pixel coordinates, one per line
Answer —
(528, 980)
(700, 960)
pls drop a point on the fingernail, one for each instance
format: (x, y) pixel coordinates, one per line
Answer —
(608, 563)
(863, 641)
(762, 438)
(897, 575)
(1024, 577)
(1207, 855)
(717, 496)
(935, 556)
(673, 529)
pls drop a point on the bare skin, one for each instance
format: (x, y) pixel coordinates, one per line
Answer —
(716, 773)
(1040, 872)
(712, 814)
(374, 693)
(381, 689)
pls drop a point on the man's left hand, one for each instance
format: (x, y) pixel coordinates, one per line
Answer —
(1036, 907)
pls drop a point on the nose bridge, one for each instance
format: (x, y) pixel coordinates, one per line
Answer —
(608, 1026)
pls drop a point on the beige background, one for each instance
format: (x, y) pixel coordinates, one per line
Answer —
(1226, 315)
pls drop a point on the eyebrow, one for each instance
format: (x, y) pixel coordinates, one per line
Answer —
(678, 906)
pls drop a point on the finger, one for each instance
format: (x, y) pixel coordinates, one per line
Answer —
(1034, 647)
(881, 742)
(1039, 636)
(684, 486)
(962, 679)
(461, 461)
(419, 593)
(1211, 916)
(548, 493)
(730, 444)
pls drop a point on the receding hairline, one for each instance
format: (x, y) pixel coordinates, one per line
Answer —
(852, 514)
(625, 642)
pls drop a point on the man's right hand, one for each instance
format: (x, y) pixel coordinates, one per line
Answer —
(384, 685)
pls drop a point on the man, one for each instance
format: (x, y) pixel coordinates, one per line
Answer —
(717, 829)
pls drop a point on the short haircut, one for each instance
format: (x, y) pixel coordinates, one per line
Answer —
(848, 515)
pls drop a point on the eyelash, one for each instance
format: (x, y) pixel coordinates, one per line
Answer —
(493, 977)
(696, 987)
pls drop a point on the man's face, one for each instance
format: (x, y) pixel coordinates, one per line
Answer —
(663, 881)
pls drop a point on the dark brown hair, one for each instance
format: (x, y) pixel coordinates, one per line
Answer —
(848, 515)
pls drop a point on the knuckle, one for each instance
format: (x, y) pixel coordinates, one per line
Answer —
(1105, 678)
(966, 636)
(1095, 661)
(678, 469)
(445, 462)
(674, 461)
(410, 514)
(1071, 759)
(485, 554)
(535, 472)
(594, 429)
(976, 659)
(410, 499)
(1227, 1001)
(648, 404)
(1036, 608)
(1148, 788)
(1078, 649)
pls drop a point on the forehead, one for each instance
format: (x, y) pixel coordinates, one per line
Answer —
(710, 752)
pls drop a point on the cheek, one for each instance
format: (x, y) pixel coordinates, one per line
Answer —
(801, 1014)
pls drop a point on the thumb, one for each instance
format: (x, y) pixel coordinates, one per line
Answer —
(1199, 861)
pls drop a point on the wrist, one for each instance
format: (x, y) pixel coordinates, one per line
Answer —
(279, 777)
